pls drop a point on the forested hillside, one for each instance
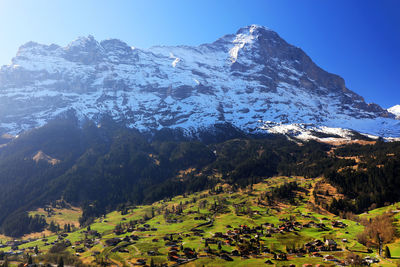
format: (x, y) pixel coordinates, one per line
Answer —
(102, 167)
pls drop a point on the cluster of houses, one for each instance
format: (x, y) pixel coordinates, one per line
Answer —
(367, 261)
(318, 246)
(247, 240)
(181, 255)
(14, 245)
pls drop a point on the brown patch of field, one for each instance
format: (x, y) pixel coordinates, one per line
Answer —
(347, 142)
(3, 237)
(185, 172)
(326, 187)
(325, 193)
(41, 156)
(61, 216)
(38, 235)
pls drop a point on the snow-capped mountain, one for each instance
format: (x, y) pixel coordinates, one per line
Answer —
(395, 110)
(248, 79)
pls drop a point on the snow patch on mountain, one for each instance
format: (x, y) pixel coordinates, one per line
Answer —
(395, 110)
(242, 79)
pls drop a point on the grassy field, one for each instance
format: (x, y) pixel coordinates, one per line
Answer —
(243, 207)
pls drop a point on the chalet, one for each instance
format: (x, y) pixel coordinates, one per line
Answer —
(370, 260)
(281, 256)
(94, 233)
(140, 262)
(235, 253)
(14, 243)
(119, 231)
(220, 235)
(171, 243)
(189, 253)
(329, 258)
(151, 253)
(80, 250)
(95, 253)
(113, 241)
(331, 244)
(266, 250)
(338, 224)
(316, 254)
(226, 257)
(174, 248)
(134, 237)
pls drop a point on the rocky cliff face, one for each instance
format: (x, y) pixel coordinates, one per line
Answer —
(247, 79)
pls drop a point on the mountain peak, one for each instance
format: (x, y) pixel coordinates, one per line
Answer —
(35, 48)
(252, 29)
(395, 110)
(85, 50)
(243, 80)
(82, 41)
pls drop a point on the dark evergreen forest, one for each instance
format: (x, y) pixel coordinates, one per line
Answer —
(104, 166)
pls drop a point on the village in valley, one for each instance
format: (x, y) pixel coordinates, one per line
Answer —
(223, 226)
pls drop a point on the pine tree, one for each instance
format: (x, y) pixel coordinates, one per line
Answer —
(60, 262)
(387, 252)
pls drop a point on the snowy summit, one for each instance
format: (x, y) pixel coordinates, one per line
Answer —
(245, 79)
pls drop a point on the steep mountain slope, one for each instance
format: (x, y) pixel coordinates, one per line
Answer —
(395, 110)
(244, 79)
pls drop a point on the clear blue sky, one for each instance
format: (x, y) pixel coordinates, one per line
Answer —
(359, 40)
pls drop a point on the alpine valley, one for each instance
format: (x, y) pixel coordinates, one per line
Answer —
(241, 152)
